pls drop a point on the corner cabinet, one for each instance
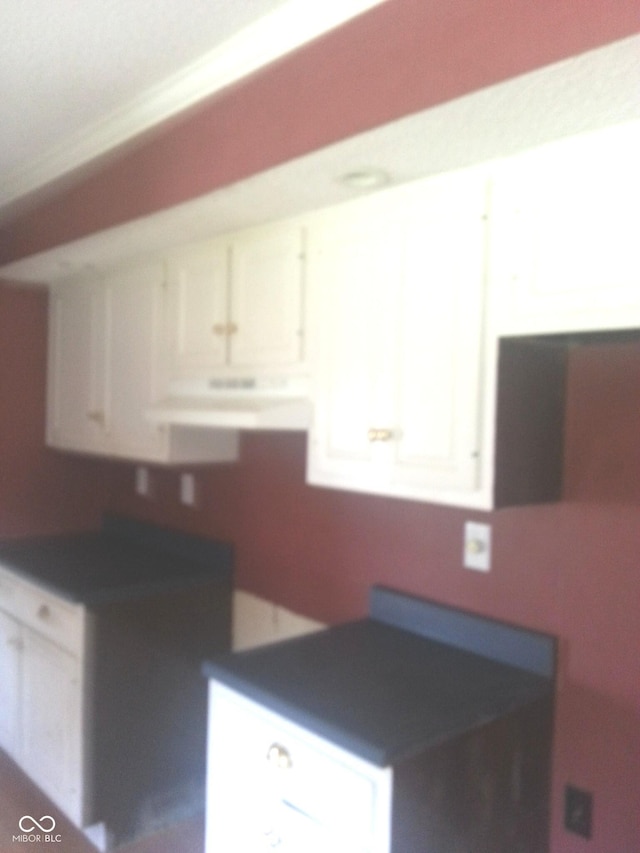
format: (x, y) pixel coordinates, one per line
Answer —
(107, 366)
(397, 295)
(236, 303)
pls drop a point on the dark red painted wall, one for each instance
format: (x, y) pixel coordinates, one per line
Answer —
(570, 568)
(401, 57)
(40, 491)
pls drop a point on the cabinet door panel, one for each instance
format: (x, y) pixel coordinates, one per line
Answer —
(441, 300)
(52, 724)
(134, 355)
(266, 298)
(354, 267)
(10, 684)
(76, 382)
(197, 294)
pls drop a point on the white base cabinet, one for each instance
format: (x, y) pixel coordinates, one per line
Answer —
(10, 679)
(273, 785)
(53, 698)
(44, 651)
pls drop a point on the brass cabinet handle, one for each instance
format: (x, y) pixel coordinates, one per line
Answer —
(279, 756)
(224, 328)
(96, 416)
(375, 434)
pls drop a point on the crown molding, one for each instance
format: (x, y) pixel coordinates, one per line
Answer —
(288, 27)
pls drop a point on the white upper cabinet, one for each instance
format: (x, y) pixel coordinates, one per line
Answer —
(77, 378)
(107, 366)
(197, 307)
(104, 362)
(397, 288)
(565, 224)
(236, 303)
(352, 267)
(134, 356)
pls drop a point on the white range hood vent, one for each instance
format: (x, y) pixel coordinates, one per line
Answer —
(252, 403)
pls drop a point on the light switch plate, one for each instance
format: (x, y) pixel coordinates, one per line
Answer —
(477, 546)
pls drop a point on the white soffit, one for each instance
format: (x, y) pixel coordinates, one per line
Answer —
(81, 78)
(595, 90)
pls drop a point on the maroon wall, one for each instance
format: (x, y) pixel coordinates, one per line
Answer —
(570, 568)
(40, 491)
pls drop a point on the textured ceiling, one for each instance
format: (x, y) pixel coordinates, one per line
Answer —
(67, 66)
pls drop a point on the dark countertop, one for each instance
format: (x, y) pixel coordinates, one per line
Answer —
(127, 559)
(377, 690)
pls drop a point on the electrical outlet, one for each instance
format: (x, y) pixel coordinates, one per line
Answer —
(477, 546)
(188, 490)
(578, 807)
(142, 481)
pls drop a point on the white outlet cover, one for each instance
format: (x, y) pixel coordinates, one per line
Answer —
(477, 546)
(188, 489)
(142, 481)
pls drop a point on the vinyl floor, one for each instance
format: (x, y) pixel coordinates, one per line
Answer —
(19, 798)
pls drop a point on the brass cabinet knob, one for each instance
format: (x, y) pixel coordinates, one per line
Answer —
(279, 756)
(43, 612)
(375, 434)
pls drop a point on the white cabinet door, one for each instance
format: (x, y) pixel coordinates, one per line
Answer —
(398, 294)
(565, 236)
(134, 357)
(441, 298)
(354, 271)
(77, 367)
(266, 297)
(108, 366)
(197, 308)
(10, 684)
(52, 723)
(237, 302)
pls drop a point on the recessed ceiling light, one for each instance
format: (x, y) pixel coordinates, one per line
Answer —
(365, 179)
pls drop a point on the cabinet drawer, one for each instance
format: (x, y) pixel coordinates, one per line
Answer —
(59, 621)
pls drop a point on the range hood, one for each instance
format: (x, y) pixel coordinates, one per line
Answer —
(251, 403)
